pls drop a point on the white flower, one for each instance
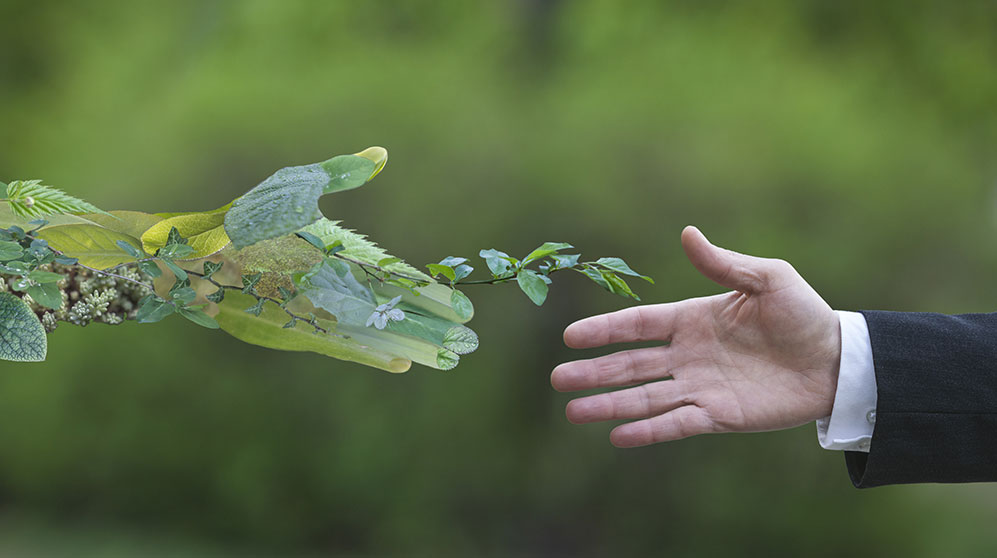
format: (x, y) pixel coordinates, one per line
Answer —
(386, 313)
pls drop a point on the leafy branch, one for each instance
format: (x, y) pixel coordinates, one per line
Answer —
(255, 268)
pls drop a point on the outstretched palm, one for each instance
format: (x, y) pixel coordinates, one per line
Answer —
(762, 357)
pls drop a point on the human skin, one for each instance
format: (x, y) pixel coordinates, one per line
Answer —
(764, 356)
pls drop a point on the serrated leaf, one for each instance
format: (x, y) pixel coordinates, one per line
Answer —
(446, 359)
(359, 247)
(10, 250)
(92, 245)
(384, 262)
(546, 249)
(22, 337)
(198, 316)
(461, 305)
(534, 287)
(204, 232)
(620, 266)
(47, 294)
(30, 199)
(461, 340)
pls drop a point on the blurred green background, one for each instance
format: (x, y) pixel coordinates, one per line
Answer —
(854, 139)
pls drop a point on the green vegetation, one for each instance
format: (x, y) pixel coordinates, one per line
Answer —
(280, 246)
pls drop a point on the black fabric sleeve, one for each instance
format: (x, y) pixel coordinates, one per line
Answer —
(936, 408)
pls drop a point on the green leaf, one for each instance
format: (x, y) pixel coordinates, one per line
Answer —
(153, 309)
(30, 199)
(249, 282)
(618, 286)
(462, 271)
(197, 316)
(446, 359)
(546, 249)
(257, 308)
(461, 305)
(461, 340)
(15, 267)
(22, 337)
(288, 200)
(47, 294)
(10, 250)
(498, 262)
(45, 276)
(185, 295)
(312, 239)
(596, 276)
(348, 172)
(204, 232)
(565, 261)
(534, 287)
(335, 289)
(620, 266)
(384, 262)
(216, 296)
(92, 245)
(129, 249)
(178, 272)
(444, 270)
(176, 251)
(210, 268)
(150, 268)
(452, 261)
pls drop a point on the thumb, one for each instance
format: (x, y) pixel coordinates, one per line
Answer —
(739, 272)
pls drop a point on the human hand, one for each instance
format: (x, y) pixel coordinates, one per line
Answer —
(763, 357)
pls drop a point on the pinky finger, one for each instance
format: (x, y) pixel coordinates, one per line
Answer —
(685, 421)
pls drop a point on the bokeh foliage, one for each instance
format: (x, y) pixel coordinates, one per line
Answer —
(855, 140)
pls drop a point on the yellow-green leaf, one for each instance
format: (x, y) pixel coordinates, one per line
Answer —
(377, 154)
(93, 245)
(132, 223)
(267, 330)
(205, 233)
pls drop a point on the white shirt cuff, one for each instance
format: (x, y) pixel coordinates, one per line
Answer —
(853, 416)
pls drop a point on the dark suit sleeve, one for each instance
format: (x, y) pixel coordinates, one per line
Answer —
(936, 408)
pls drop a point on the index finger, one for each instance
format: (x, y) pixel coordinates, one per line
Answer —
(654, 322)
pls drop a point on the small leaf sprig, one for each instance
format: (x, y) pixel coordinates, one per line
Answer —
(535, 283)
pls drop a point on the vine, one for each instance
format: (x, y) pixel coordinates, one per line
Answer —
(257, 268)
